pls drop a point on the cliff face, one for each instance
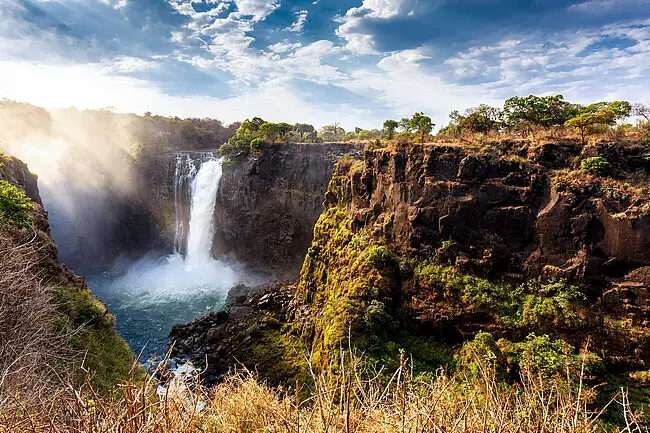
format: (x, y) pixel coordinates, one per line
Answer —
(267, 205)
(421, 247)
(451, 240)
(52, 321)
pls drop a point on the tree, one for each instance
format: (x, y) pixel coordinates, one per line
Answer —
(405, 124)
(641, 110)
(269, 131)
(283, 129)
(422, 124)
(544, 111)
(583, 121)
(250, 126)
(479, 119)
(389, 128)
(621, 109)
(331, 132)
(304, 131)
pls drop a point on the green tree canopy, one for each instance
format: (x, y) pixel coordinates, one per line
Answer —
(422, 124)
(389, 128)
(539, 110)
(583, 121)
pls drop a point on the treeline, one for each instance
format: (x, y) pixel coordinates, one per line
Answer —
(256, 133)
(148, 134)
(524, 114)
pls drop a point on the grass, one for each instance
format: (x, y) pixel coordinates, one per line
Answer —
(354, 398)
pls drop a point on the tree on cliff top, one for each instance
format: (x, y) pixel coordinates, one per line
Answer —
(389, 128)
(422, 124)
(538, 110)
(584, 121)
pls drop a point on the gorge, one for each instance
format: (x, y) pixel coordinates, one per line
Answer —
(287, 258)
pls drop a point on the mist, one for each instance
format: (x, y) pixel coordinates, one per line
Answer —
(125, 215)
(96, 175)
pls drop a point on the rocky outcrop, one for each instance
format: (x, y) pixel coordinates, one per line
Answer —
(421, 242)
(268, 204)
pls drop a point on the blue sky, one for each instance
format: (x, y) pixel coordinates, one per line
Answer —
(356, 62)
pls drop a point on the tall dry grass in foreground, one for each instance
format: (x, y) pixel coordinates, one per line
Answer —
(354, 399)
(33, 355)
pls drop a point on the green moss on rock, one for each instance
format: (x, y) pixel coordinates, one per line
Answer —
(89, 325)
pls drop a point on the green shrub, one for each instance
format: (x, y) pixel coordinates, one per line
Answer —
(14, 205)
(380, 257)
(480, 356)
(596, 165)
(258, 144)
(548, 357)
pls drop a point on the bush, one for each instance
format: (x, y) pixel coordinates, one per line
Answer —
(596, 165)
(258, 144)
(14, 205)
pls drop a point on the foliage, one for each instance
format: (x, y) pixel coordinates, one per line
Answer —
(620, 109)
(531, 305)
(596, 165)
(89, 326)
(477, 120)
(550, 358)
(421, 124)
(258, 144)
(585, 120)
(331, 133)
(14, 205)
(479, 356)
(544, 111)
(389, 128)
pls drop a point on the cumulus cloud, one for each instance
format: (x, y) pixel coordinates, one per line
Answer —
(258, 9)
(299, 24)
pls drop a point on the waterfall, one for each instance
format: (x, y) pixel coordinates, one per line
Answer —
(157, 292)
(204, 196)
(183, 175)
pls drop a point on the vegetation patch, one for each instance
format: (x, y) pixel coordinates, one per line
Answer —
(89, 326)
(14, 205)
(596, 165)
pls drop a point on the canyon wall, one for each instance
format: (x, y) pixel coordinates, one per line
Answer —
(421, 247)
(268, 204)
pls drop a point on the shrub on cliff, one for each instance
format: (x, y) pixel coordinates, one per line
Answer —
(14, 205)
(258, 144)
(596, 165)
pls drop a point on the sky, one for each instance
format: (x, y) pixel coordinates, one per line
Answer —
(355, 62)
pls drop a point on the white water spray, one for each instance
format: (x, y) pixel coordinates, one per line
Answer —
(204, 196)
(197, 273)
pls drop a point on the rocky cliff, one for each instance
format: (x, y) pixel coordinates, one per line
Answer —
(422, 247)
(268, 204)
(51, 322)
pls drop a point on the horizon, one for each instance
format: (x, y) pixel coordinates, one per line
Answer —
(356, 63)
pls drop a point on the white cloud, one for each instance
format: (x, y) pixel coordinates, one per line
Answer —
(299, 24)
(361, 43)
(258, 9)
(115, 4)
(283, 47)
(402, 59)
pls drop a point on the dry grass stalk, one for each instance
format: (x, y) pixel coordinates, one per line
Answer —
(353, 397)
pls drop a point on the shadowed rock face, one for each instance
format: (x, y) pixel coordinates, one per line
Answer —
(267, 205)
(511, 215)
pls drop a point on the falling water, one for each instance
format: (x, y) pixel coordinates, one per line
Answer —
(156, 293)
(184, 173)
(204, 196)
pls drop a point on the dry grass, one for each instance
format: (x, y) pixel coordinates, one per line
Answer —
(354, 398)
(32, 354)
